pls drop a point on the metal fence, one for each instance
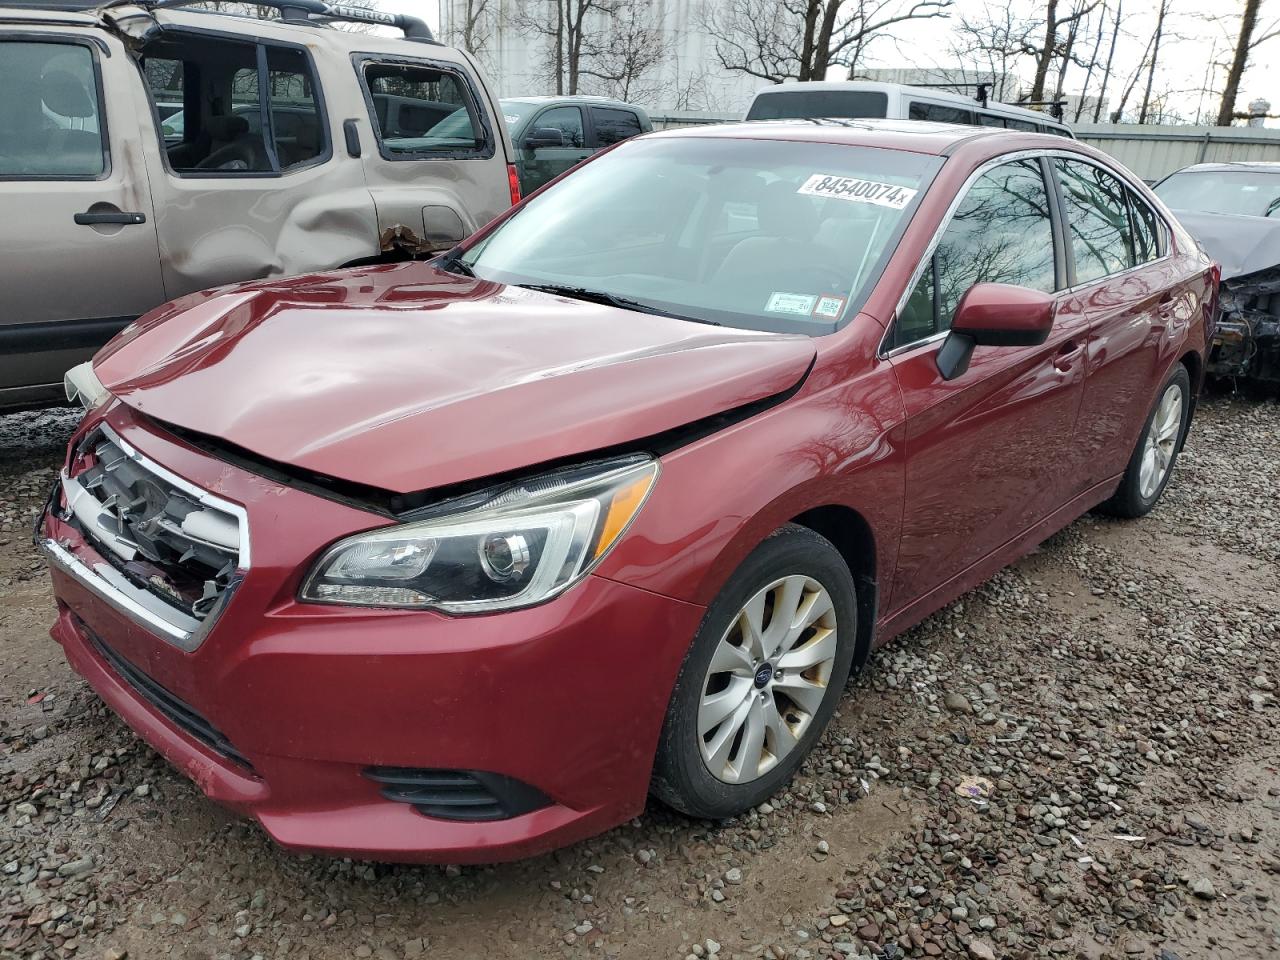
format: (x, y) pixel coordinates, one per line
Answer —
(1149, 151)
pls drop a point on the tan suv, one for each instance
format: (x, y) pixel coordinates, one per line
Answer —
(146, 153)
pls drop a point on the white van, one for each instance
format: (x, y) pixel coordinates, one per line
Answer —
(848, 99)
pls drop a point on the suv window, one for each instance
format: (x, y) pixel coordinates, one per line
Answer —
(614, 126)
(1000, 233)
(50, 112)
(422, 111)
(222, 81)
(568, 120)
(1098, 227)
(939, 113)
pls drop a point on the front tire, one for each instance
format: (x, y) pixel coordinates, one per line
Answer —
(762, 678)
(1151, 464)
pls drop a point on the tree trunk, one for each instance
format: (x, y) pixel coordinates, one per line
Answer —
(1111, 54)
(1155, 56)
(811, 11)
(1067, 47)
(559, 55)
(1046, 52)
(1093, 62)
(1226, 112)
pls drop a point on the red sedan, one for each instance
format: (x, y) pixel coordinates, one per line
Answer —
(459, 561)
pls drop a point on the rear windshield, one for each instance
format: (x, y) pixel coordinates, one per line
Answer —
(757, 234)
(423, 111)
(814, 104)
(1247, 193)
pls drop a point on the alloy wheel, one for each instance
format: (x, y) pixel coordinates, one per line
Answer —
(767, 679)
(1161, 442)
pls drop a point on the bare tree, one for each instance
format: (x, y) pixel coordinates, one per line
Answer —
(1111, 56)
(995, 43)
(1092, 62)
(780, 40)
(1156, 37)
(1051, 46)
(1249, 39)
(624, 61)
(474, 28)
(1118, 112)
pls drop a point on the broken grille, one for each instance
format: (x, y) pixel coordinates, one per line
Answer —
(178, 543)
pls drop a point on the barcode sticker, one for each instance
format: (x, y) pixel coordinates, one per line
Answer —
(857, 191)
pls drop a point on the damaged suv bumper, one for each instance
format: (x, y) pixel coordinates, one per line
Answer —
(383, 734)
(1247, 342)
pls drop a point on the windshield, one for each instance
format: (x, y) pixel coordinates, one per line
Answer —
(815, 104)
(1250, 193)
(757, 234)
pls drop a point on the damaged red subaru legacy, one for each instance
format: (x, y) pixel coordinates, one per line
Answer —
(460, 561)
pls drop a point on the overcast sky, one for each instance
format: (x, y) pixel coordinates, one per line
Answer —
(1191, 42)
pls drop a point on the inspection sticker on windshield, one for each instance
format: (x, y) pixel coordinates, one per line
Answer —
(796, 304)
(858, 191)
(828, 308)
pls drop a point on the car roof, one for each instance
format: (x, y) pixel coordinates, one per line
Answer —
(574, 98)
(922, 93)
(915, 136)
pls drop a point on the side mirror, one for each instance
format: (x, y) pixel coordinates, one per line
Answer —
(994, 315)
(544, 137)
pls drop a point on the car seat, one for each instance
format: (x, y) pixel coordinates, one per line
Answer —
(232, 147)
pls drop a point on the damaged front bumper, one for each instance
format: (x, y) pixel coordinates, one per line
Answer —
(1246, 344)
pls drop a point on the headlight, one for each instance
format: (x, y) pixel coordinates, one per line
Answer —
(502, 548)
(82, 384)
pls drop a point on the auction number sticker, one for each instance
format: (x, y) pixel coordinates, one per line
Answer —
(795, 304)
(857, 191)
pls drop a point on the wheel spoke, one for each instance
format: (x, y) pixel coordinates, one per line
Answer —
(815, 605)
(716, 752)
(751, 621)
(716, 707)
(730, 659)
(818, 650)
(746, 765)
(781, 735)
(805, 694)
(786, 604)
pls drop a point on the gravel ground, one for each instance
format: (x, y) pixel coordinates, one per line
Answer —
(1074, 760)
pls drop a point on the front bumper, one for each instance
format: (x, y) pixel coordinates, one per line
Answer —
(567, 698)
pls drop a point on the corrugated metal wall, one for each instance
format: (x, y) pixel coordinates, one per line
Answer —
(1154, 152)
(1149, 151)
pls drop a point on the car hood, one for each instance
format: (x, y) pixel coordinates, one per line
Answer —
(407, 378)
(1243, 245)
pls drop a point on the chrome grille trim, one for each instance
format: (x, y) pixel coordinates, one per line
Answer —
(185, 629)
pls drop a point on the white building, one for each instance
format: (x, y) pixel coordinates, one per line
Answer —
(689, 76)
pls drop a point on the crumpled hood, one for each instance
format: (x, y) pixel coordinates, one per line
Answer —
(407, 378)
(1243, 245)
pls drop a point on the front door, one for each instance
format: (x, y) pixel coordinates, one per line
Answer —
(542, 164)
(77, 234)
(986, 451)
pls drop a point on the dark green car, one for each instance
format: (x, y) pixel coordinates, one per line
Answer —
(552, 134)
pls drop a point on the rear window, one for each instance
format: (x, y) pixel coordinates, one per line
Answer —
(423, 112)
(613, 126)
(814, 104)
(1249, 193)
(49, 115)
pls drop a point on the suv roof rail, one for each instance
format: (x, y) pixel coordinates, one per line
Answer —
(306, 12)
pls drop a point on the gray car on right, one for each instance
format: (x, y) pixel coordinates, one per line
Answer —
(1233, 210)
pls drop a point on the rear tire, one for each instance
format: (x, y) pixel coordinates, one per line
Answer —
(1151, 464)
(755, 693)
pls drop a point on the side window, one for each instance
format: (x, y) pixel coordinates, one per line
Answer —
(1097, 219)
(939, 113)
(614, 126)
(423, 112)
(1146, 230)
(50, 124)
(209, 96)
(1025, 125)
(990, 120)
(568, 120)
(1000, 233)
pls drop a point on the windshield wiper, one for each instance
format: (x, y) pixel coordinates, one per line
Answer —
(612, 300)
(453, 263)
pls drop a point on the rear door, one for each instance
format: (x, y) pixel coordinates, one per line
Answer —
(542, 164)
(1118, 256)
(77, 233)
(986, 451)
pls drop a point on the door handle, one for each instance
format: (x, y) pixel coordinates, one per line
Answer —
(1066, 356)
(88, 219)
